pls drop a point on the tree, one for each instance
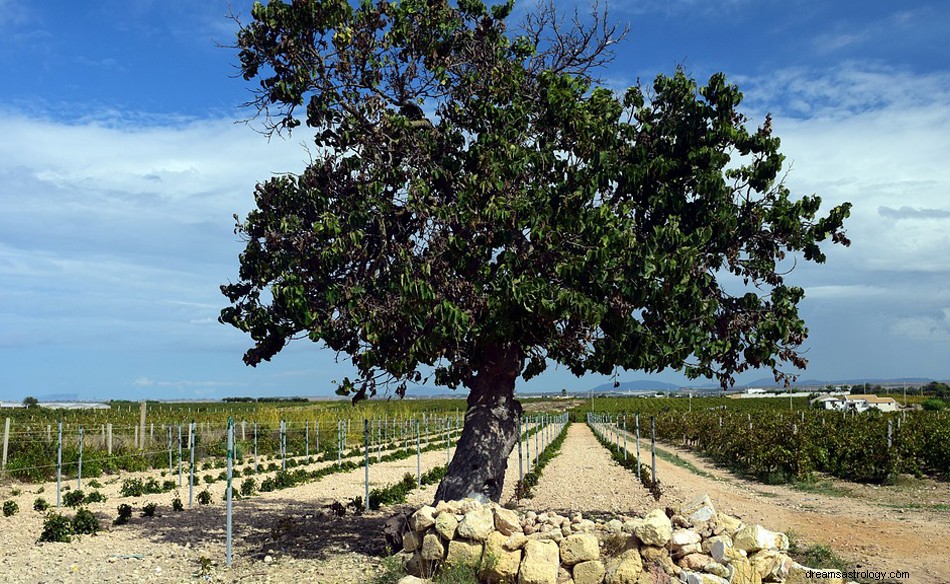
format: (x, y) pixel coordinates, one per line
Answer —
(477, 207)
(30, 401)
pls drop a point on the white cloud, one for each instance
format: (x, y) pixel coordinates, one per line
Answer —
(117, 229)
(146, 382)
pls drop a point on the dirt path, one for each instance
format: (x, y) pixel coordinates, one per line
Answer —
(858, 528)
(583, 477)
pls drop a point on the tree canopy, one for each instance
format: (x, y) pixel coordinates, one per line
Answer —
(473, 193)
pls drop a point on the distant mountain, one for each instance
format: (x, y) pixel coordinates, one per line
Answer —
(639, 385)
(770, 382)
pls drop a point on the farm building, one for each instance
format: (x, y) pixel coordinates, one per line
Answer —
(859, 403)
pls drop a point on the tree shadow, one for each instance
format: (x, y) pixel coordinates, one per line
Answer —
(288, 527)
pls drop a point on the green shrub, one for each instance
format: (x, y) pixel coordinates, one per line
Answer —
(10, 508)
(57, 528)
(204, 497)
(208, 479)
(85, 522)
(132, 488)
(74, 498)
(168, 486)
(152, 487)
(40, 504)
(247, 486)
(934, 405)
(95, 484)
(125, 513)
(148, 510)
(95, 497)
(176, 504)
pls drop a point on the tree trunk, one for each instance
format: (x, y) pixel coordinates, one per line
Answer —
(490, 431)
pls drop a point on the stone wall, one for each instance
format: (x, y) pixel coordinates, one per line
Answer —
(693, 544)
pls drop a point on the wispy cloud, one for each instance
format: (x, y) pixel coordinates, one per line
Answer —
(146, 382)
(912, 213)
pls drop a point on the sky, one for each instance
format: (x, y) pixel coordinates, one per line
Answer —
(123, 159)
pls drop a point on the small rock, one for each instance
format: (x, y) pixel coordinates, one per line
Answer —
(655, 529)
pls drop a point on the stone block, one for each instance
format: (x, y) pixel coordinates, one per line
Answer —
(580, 547)
(540, 563)
(589, 572)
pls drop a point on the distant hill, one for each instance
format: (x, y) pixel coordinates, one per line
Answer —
(639, 385)
(770, 382)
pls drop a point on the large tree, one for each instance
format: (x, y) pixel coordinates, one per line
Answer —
(476, 208)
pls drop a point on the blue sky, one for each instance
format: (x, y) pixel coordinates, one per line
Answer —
(121, 166)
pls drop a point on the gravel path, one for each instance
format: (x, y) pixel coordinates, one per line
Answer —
(583, 477)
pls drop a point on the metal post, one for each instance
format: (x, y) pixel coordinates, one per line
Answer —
(306, 439)
(636, 421)
(283, 445)
(228, 492)
(6, 442)
(527, 446)
(255, 447)
(191, 469)
(625, 437)
(653, 447)
(418, 454)
(169, 448)
(79, 472)
(316, 431)
(520, 459)
(537, 440)
(59, 464)
(179, 457)
(365, 464)
(448, 456)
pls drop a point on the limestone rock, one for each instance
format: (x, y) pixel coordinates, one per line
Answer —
(516, 541)
(410, 580)
(432, 548)
(410, 541)
(498, 563)
(581, 547)
(729, 523)
(655, 529)
(681, 537)
(702, 578)
(463, 553)
(564, 576)
(422, 519)
(694, 562)
(699, 509)
(446, 524)
(584, 526)
(771, 565)
(716, 569)
(626, 568)
(722, 550)
(477, 524)
(709, 541)
(799, 574)
(742, 571)
(506, 521)
(693, 548)
(589, 572)
(614, 526)
(753, 538)
(540, 563)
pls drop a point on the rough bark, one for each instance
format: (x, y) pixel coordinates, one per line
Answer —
(490, 431)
